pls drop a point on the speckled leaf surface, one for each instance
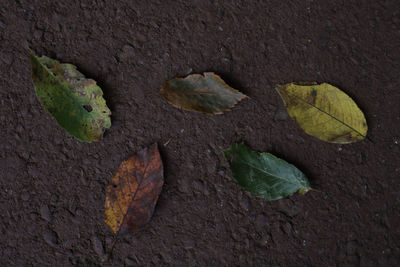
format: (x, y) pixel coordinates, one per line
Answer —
(134, 191)
(324, 111)
(264, 175)
(75, 102)
(206, 93)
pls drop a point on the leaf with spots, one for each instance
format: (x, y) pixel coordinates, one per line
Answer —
(324, 111)
(133, 193)
(75, 102)
(265, 175)
(206, 93)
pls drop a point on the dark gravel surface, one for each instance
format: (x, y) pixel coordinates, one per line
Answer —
(52, 187)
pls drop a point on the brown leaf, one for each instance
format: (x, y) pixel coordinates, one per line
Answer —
(133, 193)
(206, 93)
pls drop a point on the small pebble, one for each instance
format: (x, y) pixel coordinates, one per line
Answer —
(50, 237)
(38, 34)
(45, 213)
(25, 196)
(97, 246)
(130, 262)
(281, 115)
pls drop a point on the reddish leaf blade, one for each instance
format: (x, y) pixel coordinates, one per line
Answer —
(206, 93)
(134, 191)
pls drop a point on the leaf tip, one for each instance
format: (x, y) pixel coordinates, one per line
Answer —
(304, 190)
(281, 90)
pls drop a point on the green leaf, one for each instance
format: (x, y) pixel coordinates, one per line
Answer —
(76, 102)
(265, 175)
(206, 93)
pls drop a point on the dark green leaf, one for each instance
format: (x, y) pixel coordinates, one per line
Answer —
(265, 175)
(73, 100)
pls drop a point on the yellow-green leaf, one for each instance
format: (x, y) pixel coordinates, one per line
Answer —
(76, 102)
(324, 111)
(206, 93)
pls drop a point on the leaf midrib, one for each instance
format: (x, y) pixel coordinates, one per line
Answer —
(330, 115)
(132, 198)
(279, 177)
(194, 92)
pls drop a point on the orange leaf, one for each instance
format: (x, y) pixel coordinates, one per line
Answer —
(133, 193)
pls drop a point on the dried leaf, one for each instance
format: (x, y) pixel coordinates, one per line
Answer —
(208, 93)
(324, 111)
(265, 175)
(73, 100)
(134, 191)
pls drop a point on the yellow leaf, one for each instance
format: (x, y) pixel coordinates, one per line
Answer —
(324, 111)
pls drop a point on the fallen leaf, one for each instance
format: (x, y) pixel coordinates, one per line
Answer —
(265, 175)
(73, 100)
(324, 111)
(208, 94)
(133, 193)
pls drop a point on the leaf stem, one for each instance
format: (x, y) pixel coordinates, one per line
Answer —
(316, 190)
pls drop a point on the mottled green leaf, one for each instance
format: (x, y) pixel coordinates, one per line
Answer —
(206, 93)
(76, 102)
(265, 175)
